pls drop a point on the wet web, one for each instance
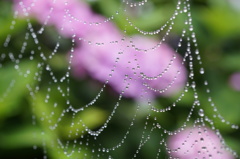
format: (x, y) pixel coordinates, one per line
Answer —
(43, 67)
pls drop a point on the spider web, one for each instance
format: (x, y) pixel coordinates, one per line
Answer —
(77, 118)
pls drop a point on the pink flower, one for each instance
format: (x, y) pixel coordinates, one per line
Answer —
(153, 64)
(68, 16)
(197, 143)
(235, 81)
(98, 61)
(135, 72)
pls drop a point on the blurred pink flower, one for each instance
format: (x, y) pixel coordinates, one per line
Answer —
(98, 61)
(101, 45)
(235, 81)
(197, 143)
(68, 16)
(162, 64)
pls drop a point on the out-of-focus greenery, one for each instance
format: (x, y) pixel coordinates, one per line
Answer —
(217, 27)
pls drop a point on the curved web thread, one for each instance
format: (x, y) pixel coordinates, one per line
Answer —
(134, 4)
(65, 92)
(176, 13)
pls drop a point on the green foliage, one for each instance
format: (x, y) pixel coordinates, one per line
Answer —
(13, 87)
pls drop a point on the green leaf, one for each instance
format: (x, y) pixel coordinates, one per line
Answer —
(13, 85)
(91, 117)
(231, 62)
(26, 136)
(221, 22)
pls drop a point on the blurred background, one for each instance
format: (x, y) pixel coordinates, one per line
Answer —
(217, 28)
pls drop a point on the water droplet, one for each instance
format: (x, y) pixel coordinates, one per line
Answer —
(201, 70)
(201, 112)
(34, 147)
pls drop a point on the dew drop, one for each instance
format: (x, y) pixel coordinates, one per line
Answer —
(201, 112)
(201, 70)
